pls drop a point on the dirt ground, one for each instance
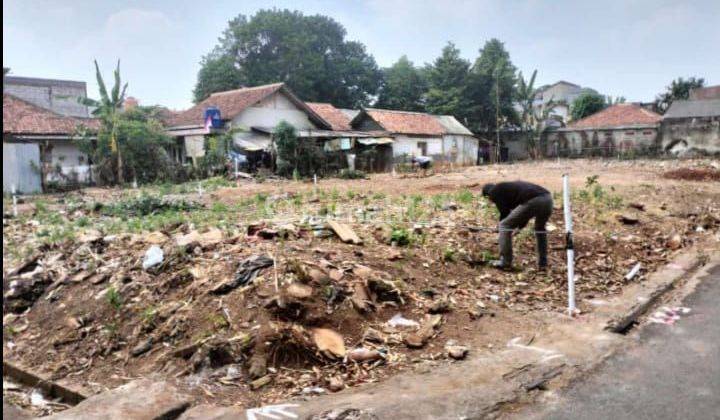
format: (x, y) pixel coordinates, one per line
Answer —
(80, 308)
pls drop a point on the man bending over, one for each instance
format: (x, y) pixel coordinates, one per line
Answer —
(518, 202)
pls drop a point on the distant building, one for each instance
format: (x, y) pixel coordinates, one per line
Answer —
(38, 147)
(710, 92)
(693, 126)
(619, 129)
(441, 137)
(252, 114)
(562, 93)
(60, 96)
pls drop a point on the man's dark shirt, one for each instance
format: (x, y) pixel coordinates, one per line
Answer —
(508, 195)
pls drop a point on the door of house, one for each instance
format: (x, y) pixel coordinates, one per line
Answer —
(422, 145)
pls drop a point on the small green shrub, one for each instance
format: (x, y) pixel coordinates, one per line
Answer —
(147, 204)
(401, 237)
(352, 174)
(113, 298)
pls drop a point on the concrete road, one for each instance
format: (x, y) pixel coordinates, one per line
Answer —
(673, 372)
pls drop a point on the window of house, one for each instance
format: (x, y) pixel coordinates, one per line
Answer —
(629, 133)
(422, 145)
(648, 132)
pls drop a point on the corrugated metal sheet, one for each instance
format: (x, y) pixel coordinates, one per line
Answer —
(19, 161)
(691, 109)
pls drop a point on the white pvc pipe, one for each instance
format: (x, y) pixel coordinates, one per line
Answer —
(14, 197)
(570, 250)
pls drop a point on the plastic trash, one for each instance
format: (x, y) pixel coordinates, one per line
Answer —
(153, 256)
(399, 321)
(668, 316)
(635, 270)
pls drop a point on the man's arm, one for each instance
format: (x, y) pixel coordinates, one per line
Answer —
(504, 211)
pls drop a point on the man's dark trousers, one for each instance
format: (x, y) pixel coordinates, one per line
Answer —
(539, 208)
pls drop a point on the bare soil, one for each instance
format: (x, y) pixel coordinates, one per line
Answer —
(97, 319)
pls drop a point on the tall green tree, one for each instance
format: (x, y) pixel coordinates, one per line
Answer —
(403, 87)
(679, 89)
(217, 74)
(108, 109)
(491, 88)
(309, 53)
(447, 77)
(587, 103)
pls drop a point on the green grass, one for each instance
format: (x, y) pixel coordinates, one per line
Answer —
(464, 196)
(113, 298)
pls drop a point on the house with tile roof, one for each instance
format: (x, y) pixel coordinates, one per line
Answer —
(619, 129)
(250, 113)
(441, 137)
(39, 147)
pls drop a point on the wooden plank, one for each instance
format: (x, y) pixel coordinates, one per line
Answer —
(345, 233)
(52, 389)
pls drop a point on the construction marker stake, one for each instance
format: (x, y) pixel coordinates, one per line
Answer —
(14, 196)
(569, 245)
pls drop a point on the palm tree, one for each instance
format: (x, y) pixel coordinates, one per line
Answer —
(533, 119)
(107, 109)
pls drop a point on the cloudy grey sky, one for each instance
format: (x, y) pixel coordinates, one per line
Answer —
(619, 47)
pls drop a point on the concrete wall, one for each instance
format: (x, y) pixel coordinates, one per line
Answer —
(73, 164)
(603, 142)
(60, 96)
(407, 146)
(21, 162)
(691, 135)
(460, 149)
(269, 113)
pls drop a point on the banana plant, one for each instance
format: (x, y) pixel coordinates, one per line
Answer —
(108, 109)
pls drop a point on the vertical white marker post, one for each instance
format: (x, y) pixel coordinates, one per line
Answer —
(14, 196)
(236, 168)
(200, 189)
(557, 153)
(569, 245)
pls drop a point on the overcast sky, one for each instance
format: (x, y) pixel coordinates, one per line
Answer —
(631, 48)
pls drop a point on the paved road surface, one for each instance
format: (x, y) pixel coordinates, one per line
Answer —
(674, 373)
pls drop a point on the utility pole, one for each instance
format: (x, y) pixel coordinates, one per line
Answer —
(497, 113)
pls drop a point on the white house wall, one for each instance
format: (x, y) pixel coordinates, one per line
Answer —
(460, 149)
(270, 112)
(407, 146)
(72, 162)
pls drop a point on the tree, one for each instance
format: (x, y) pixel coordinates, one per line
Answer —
(586, 104)
(678, 89)
(129, 142)
(216, 74)
(403, 87)
(107, 109)
(491, 88)
(446, 77)
(296, 157)
(141, 140)
(309, 53)
(533, 119)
